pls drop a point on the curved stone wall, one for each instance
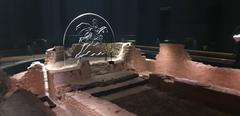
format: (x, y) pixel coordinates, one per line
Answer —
(173, 60)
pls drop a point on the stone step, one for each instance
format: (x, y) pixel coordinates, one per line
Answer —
(127, 92)
(113, 88)
(105, 80)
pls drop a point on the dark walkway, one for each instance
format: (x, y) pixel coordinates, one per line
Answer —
(155, 103)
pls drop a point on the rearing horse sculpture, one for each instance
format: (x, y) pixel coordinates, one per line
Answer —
(90, 35)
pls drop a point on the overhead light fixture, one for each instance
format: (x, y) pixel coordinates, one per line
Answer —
(236, 37)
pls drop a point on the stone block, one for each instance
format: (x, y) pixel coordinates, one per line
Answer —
(81, 103)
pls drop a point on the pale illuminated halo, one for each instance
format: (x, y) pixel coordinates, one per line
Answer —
(89, 33)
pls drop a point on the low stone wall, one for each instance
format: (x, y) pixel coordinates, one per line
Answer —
(173, 60)
(150, 65)
(81, 103)
(31, 80)
(130, 58)
(127, 56)
(15, 101)
(61, 80)
(134, 60)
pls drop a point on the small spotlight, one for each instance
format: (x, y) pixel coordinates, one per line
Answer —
(237, 37)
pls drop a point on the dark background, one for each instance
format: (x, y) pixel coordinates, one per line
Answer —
(209, 22)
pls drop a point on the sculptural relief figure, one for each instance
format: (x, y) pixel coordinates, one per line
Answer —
(90, 35)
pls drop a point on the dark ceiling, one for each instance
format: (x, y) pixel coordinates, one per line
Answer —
(209, 22)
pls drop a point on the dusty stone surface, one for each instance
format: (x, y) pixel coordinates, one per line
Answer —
(173, 60)
(59, 81)
(61, 78)
(150, 65)
(24, 103)
(125, 56)
(32, 80)
(82, 103)
(135, 60)
(105, 68)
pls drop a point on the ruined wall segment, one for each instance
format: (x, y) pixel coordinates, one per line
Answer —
(62, 75)
(31, 80)
(173, 60)
(81, 103)
(60, 80)
(135, 61)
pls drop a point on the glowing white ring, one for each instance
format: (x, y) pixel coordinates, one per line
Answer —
(86, 14)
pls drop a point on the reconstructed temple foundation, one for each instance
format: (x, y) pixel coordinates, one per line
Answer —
(61, 79)
(60, 83)
(64, 83)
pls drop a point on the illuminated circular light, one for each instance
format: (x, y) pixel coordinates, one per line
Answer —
(88, 30)
(236, 37)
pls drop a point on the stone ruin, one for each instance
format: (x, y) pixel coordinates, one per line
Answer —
(174, 61)
(59, 82)
(24, 94)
